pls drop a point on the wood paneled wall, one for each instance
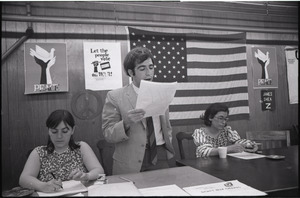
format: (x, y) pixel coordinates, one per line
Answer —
(23, 116)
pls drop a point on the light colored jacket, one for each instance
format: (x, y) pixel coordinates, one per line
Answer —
(130, 143)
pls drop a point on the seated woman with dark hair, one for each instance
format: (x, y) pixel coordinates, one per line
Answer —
(61, 159)
(216, 133)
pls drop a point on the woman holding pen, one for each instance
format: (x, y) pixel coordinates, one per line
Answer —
(61, 159)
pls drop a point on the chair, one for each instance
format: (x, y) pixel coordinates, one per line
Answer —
(270, 139)
(106, 151)
(180, 136)
(294, 134)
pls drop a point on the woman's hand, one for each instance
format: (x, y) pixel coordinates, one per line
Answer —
(52, 186)
(78, 175)
(235, 148)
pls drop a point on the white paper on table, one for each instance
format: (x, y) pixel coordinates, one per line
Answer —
(246, 155)
(168, 190)
(155, 97)
(227, 188)
(114, 189)
(69, 187)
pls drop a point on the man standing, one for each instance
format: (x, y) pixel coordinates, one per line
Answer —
(141, 144)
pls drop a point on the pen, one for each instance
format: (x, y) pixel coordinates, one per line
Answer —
(126, 179)
(55, 178)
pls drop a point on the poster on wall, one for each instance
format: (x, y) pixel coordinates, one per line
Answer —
(46, 69)
(292, 64)
(264, 67)
(268, 100)
(102, 65)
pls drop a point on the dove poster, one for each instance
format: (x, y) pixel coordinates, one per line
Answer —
(264, 67)
(102, 65)
(46, 69)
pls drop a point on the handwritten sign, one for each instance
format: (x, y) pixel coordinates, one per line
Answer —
(268, 100)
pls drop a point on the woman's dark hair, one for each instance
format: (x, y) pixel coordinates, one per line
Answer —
(212, 110)
(135, 56)
(54, 119)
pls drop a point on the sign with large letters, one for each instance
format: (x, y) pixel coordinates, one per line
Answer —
(102, 65)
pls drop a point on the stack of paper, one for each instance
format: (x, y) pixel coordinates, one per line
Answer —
(246, 155)
(114, 189)
(168, 190)
(69, 187)
(228, 188)
(155, 97)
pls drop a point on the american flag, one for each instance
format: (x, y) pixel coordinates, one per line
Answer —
(209, 68)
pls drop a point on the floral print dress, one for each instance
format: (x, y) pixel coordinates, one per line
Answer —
(59, 164)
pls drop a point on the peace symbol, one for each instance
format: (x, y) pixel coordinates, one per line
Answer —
(86, 105)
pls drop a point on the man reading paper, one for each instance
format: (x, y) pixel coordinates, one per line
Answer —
(141, 144)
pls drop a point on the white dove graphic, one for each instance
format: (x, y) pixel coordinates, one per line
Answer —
(264, 61)
(42, 54)
(46, 60)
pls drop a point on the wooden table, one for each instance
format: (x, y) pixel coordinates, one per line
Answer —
(181, 176)
(263, 174)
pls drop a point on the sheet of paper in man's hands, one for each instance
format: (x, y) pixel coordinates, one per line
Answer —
(155, 97)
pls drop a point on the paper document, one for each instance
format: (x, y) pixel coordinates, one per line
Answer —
(227, 188)
(114, 189)
(246, 155)
(155, 97)
(69, 187)
(168, 190)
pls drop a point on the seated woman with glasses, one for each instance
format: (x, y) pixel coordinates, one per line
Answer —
(216, 133)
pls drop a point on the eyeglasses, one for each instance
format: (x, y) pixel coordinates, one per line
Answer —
(222, 119)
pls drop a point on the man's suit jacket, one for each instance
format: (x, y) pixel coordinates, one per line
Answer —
(130, 143)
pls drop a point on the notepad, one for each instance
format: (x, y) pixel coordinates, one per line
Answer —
(246, 155)
(69, 187)
(114, 189)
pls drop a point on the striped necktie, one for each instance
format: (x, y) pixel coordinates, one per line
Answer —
(151, 140)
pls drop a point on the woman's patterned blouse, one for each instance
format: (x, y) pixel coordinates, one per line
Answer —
(59, 164)
(206, 143)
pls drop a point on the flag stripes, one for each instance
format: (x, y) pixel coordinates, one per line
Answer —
(209, 68)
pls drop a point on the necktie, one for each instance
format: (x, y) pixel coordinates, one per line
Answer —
(151, 140)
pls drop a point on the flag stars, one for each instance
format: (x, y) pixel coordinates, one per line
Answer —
(149, 41)
(169, 71)
(174, 76)
(163, 47)
(159, 71)
(165, 76)
(168, 43)
(144, 45)
(133, 34)
(178, 62)
(159, 52)
(173, 57)
(164, 67)
(158, 42)
(173, 48)
(182, 48)
(154, 47)
(164, 57)
(169, 62)
(174, 67)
